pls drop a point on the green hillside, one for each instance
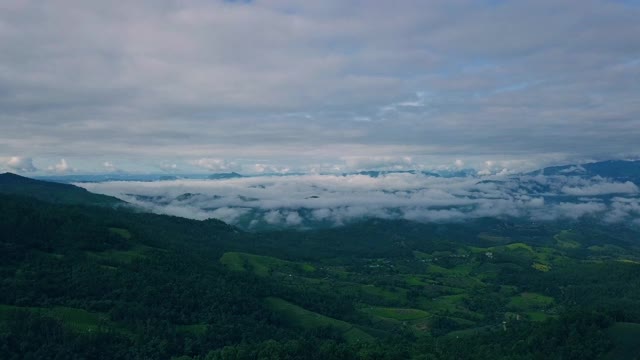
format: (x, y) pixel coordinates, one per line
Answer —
(102, 282)
(52, 192)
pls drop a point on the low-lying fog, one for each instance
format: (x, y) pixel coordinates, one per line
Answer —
(309, 200)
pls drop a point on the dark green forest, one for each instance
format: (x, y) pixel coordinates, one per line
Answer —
(87, 277)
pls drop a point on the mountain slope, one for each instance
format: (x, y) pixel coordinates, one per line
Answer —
(13, 184)
(102, 282)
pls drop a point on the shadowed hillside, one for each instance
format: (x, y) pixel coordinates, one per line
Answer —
(52, 192)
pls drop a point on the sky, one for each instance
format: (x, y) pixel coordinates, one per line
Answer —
(316, 86)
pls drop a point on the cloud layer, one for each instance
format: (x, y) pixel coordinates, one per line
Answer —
(311, 200)
(165, 82)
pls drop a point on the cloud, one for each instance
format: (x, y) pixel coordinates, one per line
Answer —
(293, 219)
(310, 82)
(602, 188)
(18, 164)
(307, 200)
(226, 214)
(169, 167)
(378, 162)
(578, 169)
(623, 209)
(110, 167)
(61, 167)
(216, 165)
(265, 169)
(574, 210)
(273, 217)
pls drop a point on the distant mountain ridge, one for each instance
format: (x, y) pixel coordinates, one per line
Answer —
(620, 170)
(52, 192)
(221, 176)
(434, 173)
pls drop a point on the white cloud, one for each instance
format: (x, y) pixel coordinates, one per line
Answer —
(261, 168)
(622, 209)
(216, 165)
(300, 200)
(577, 210)
(18, 164)
(229, 215)
(574, 170)
(61, 167)
(169, 167)
(379, 162)
(293, 219)
(602, 188)
(273, 217)
(108, 166)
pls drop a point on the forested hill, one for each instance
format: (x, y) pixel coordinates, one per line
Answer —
(52, 192)
(80, 281)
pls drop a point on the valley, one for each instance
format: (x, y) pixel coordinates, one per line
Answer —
(107, 280)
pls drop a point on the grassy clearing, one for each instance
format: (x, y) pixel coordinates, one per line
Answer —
(460, 282)
(542, 255)
(538, 316)
(447, 303)
(567, 239)
(625, 338)
(401, 314)
(453, 307)
(541, 267)
(307, 268)
(366, 293)
(262, 265)
(516, 247)
(548, 255)
(628, 261)
(608, 248)
(421, 255)
(303, 318)
(461, 270)
(493, 238)
(519, 246)
(398, 295)
(124, 233)
(530, 301)
(233, 261)
(414, 280)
